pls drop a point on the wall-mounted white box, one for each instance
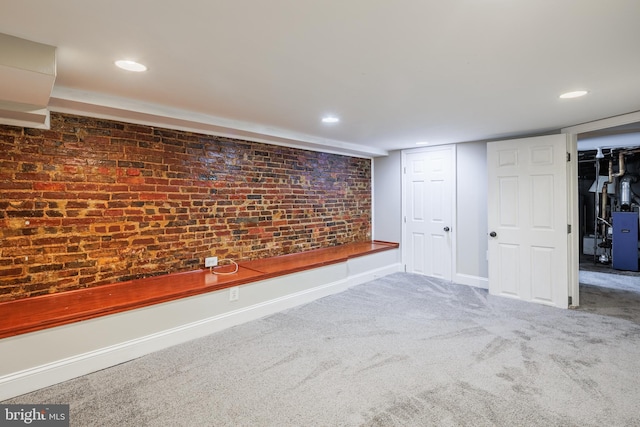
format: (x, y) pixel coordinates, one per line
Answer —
(234, 293)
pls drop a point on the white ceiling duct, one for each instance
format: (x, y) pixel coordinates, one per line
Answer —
(27, 74)
(626, 140)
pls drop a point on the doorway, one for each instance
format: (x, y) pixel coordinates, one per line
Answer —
(429, 211)
(608, 181)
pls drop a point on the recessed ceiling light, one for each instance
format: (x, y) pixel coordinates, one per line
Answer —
(330, 119)
(422, 143)
(131, 65)
(574, 94)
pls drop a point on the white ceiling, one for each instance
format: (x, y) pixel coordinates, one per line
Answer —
(395, 72)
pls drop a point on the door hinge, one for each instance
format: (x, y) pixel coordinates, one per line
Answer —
(405, 268)
(568, 228)
(405, 219)
(570, 301)
(568, 157)
(405, 169)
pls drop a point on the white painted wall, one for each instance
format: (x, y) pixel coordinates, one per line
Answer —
(387, 197)
(472, 244)
(471, 206)
(39, 359)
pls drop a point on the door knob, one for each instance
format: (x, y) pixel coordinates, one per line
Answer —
(493, 234)
(447, 229)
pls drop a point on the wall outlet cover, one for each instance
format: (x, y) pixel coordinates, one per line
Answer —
(234, 293)
(211, 261)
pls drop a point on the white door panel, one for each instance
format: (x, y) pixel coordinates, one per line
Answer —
(428, 206)
(418, 257)
(528, 212)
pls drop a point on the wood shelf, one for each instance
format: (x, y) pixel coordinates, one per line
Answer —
(46, 311)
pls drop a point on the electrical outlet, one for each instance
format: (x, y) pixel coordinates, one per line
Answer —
(234, 293)
(211, 261)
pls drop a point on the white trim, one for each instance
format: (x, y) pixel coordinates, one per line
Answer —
(469, 280)
(36, 119)
(573, 244)
(373, 201)
(454, 211)
(72, 101)
(610, 122)
(403, 210)
(63, 369)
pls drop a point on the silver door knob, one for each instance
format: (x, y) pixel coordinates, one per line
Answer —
(447, 229)
(493, 234)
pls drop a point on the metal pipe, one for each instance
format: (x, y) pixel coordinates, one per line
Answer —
(597, 213)
(605, 200)
(605, 186)
(621, 167)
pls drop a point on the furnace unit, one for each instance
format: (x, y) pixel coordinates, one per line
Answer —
(625, 241)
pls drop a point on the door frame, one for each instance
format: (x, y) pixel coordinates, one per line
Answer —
(454, 202)
(572, 190)
(573, 206)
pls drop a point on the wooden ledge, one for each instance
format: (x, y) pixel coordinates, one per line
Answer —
(46, 311)
(292, 263)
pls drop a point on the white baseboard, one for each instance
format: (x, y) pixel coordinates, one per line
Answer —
(476, 281)
(56, 371)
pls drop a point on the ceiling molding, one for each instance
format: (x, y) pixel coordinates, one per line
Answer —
(610, 122)
(37, 119)
(27, 76)
(72, 101)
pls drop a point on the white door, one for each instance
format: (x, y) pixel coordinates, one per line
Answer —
(429, 176)
(527, 202)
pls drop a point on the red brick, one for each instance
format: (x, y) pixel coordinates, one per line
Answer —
(168, 188)
(131, 179)
(32, 176)
(9, 272)
(81, 187)
(15, 185)
(157, 181)
(77, 221)
(44, 222)
(148, 241)
(116, 188)
(179, 198)
(142, 187)
(48, 186)
(153, 196)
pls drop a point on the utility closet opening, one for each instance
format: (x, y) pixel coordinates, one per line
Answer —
(609, 201)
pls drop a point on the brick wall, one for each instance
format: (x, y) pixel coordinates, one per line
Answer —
(93, 201)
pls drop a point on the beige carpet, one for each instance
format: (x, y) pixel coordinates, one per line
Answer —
(402, 350)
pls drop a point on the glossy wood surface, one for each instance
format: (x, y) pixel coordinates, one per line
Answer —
(292, 263)
(32, 314)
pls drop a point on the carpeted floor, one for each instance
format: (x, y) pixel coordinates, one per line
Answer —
(403, 350)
